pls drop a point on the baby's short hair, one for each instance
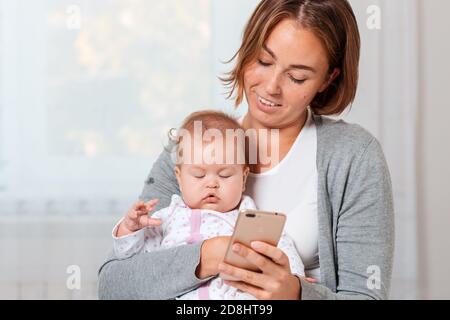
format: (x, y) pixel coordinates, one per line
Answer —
(210, 120)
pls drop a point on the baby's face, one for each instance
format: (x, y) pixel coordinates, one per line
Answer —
(215, 187)
(214, 184)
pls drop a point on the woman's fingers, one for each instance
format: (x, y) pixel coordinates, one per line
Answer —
(276, 281)
(276, 254)
(258, 293)
(265, 263)
(242, 275)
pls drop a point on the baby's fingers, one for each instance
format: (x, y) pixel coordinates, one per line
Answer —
(146, 221)
(151, 204)
(138, 206)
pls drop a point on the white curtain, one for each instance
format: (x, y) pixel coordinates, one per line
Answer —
(387, 105)
(89, 91)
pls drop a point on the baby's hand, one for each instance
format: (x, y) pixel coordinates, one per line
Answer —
(138, 218)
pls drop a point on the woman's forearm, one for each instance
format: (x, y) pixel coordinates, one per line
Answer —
(164, 274)
(312, 291)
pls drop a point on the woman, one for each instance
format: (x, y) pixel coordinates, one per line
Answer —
(336, 189)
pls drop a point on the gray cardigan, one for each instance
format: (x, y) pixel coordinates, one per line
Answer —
(356, 227)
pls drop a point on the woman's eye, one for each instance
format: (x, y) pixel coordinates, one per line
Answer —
(264, 64)
(297, 81)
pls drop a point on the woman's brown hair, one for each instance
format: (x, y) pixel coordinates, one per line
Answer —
(332, 21)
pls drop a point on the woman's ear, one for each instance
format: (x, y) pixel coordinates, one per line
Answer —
(330, 78)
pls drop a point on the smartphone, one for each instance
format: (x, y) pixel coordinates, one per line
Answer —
(253, 225)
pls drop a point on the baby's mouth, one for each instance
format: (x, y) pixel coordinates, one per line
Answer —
(211, 198)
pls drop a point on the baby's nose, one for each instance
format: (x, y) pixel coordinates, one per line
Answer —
(213, 184)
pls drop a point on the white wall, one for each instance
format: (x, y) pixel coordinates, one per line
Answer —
(434, 151)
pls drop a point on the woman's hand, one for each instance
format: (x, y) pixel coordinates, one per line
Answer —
(213, 252)
(275, 282)
(137, 218)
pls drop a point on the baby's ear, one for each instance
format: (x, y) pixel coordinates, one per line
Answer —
(177, 174)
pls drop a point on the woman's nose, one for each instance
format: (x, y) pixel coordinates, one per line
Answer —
(273, 84)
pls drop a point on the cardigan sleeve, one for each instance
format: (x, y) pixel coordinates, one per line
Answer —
(163, 274)
(364, 241)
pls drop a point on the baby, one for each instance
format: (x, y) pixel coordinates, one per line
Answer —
(211, 175)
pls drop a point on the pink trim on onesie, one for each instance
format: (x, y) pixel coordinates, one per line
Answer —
(196, 222)
(195, 237)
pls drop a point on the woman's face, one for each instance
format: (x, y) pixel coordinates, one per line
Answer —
(290, 70)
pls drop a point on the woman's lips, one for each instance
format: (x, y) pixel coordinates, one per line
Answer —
(265, 107)
(268, 102)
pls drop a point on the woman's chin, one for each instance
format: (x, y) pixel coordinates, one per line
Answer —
(264, 119)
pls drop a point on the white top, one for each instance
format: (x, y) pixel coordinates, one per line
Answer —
(184, 225)
(291, 188)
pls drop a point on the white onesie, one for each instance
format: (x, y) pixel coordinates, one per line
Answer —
(183, 225)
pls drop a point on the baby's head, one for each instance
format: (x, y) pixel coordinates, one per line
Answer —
(211, 164)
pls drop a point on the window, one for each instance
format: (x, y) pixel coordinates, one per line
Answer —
(88, 91)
